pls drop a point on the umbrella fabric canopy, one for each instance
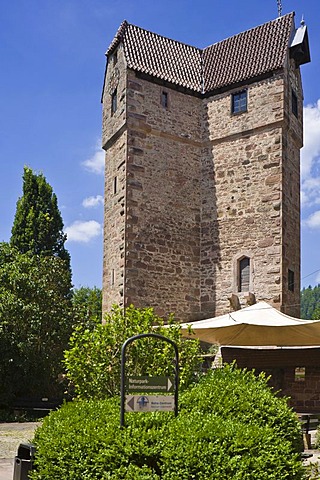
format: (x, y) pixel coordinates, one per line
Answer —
(259, 324)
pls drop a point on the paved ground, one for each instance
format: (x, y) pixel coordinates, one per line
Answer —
(11, 435)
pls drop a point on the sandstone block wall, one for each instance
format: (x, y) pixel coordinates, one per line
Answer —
(163, 200)
(292, 140)
(114, 141)
(197, 189)
(246, 155)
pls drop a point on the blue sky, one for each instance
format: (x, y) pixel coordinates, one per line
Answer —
(52, 67)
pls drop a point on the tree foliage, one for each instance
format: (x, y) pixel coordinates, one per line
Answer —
(310, 303)
(93, 360)
(87, 303)
(38, 225)
(35, 322)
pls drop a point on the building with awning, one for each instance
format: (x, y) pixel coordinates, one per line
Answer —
(262, 338)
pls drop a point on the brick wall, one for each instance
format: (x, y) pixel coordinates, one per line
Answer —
(304, 396)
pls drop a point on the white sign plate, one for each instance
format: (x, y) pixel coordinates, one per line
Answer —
(152, 403)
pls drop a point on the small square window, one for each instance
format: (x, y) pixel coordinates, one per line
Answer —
(291, 280)
(294, 103)
(164, 99)
(239, 102)
(114, 105)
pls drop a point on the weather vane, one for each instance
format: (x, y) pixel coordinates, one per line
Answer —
(279, 2)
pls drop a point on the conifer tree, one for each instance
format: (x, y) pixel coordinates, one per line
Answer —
(38, 225)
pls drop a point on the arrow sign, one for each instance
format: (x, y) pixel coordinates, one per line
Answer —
(150, 384)
(151, 403)
(130, 404)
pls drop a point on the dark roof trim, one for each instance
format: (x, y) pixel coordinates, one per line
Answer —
(242, 84)
(216, 91)
(165, 83)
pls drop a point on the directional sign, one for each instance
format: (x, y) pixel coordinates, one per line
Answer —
(149, 403)
(150, 384)
(145, 387)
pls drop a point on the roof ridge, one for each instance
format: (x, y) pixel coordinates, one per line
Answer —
(291, 14)
(263, 49)
(118, 37)
(163, 36)
(125, 24)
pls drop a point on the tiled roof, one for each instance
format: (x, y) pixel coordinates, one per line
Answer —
(239, 58)
(247, 55)
(159, 56)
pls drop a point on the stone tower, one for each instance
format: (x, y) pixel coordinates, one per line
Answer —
(202, 182)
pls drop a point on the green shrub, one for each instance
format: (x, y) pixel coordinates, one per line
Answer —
(210, 447)
(239, 395)
(253, 437)
(93, 360)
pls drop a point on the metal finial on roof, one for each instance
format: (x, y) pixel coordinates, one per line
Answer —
(302, 23)
(279, 2)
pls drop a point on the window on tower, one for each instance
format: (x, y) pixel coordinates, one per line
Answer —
(294, 103)
(244, 274)
(114, 102)
(290, 280)
(164, 99)
(239, 102)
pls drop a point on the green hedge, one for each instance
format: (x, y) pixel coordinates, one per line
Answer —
(230, 426)
(237, 394)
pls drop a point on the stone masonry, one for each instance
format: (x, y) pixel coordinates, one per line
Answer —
(191, 187)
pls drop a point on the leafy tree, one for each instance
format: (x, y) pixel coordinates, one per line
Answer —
(93, 360)
(316, 313)
(87, 303)
(310, 302)
(38, 226)
(36, 319)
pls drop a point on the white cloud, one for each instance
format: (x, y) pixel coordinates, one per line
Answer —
(313, 221)
(95, 164)
(83, 232)
(91, 202)
(310, 156)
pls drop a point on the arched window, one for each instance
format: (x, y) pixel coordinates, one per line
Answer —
(244, 274)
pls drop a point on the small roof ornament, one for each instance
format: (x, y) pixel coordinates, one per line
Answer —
(299, 46)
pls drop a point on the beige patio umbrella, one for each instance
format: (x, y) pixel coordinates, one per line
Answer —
(259, 324)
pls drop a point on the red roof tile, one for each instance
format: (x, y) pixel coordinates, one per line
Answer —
(244, 56)
(247, 55)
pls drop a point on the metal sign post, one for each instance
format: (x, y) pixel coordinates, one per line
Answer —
(150, 403)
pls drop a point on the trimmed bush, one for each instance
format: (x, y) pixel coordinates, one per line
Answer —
(230, 426)
(241, 396)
